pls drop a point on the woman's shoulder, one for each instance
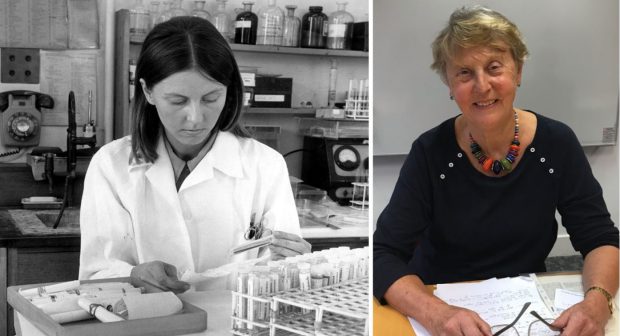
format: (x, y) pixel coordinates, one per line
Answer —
(439, 136)
(118, 151)
(553, 131)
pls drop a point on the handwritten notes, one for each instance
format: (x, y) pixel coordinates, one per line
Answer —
(497, 301)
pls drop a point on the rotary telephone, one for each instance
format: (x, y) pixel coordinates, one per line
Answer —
(21, 117)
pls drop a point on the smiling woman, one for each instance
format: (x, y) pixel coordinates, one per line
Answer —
(181, 191)
(477, 195)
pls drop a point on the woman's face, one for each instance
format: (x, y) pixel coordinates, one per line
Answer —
(483, 82)
(188, 104)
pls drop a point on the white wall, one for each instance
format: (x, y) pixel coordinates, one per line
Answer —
(603, 160)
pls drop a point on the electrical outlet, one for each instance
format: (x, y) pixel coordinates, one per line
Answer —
(19, 65)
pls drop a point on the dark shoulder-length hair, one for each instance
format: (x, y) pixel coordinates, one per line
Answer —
(180, 44)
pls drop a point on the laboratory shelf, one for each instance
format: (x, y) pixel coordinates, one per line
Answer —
(281, 110)
(297, 51)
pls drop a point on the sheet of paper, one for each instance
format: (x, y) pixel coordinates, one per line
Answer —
(33, 24)
(565, 298)
(63, 71)
(497, 301)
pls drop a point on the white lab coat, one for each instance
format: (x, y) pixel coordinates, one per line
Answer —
(131, 212)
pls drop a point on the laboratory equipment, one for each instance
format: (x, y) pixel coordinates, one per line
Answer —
(165, 13)
(359, 200)
(221, 20)
(333, 164)
(340, 28)
(154, 12)
(176, 9)
(246, 25)
(139, 22)
(333, 75)
(270, 22)
(314, 28)
(320, 293)
(356, 104)
(200, 11)
(290, 34)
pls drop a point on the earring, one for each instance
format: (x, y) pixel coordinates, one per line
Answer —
(451, 97)
(519, 85)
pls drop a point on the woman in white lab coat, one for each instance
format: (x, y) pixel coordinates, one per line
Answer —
(142, 215)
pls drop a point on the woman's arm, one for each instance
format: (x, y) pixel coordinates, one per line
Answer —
(409, 296)
(590, 316)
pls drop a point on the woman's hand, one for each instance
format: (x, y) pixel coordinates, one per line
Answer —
(586, 318)
(157, 276)
(450, 320)
(284, 244)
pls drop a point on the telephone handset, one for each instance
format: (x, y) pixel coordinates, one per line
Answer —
(21, 117)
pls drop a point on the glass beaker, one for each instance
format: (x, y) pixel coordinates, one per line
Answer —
(340, 28)
(139, 22)
(314, 28)
(221, 20)
(199, 10)
(246, 25)
(270, 21)
(290, 35)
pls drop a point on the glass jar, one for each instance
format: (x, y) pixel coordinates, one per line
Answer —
(139, 22)
(314, 28)
(176, 9)
(221, 20)
(246, 25)
(164, 15)
(270, 21)
(290, 35)
(199, 10)
(340, 28)
(154, 12)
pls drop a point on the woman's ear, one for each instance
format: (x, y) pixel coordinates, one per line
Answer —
(147, 92)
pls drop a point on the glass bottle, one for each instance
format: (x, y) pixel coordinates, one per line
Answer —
(290, 35)
(199, 10)
(314, 28)
(154, 12)
(221, 20)
(270, 21)
(246, 25)
(139, 22)
(340, 28)
(176, 9)
(165, 13)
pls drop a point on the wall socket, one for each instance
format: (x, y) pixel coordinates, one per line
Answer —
(19, 65)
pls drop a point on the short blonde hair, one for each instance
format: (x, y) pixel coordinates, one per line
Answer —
(476, 27)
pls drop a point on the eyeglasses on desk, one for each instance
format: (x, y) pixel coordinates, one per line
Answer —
(540, 327)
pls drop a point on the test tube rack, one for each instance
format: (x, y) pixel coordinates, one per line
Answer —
(340, 309)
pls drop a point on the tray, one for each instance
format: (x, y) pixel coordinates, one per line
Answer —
(191, 319)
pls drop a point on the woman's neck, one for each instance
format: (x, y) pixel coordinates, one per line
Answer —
(188, 152)
(493, 139)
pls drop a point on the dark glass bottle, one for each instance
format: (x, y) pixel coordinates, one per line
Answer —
(314, 28)
(246, 25)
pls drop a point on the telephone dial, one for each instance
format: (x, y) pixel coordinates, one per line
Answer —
(21, 117)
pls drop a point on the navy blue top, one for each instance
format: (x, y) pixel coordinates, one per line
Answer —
(447, 222)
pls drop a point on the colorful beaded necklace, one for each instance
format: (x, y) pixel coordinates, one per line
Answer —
(497, 166)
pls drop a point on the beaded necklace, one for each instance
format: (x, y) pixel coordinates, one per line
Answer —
(497, 166)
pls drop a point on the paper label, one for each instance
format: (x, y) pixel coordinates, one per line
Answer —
(337, 29)
(249, 78)
(268, 98)
(243, 24)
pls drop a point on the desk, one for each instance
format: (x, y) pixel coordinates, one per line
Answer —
(388, 321)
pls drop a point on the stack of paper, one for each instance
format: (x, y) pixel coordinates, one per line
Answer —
(497, 301)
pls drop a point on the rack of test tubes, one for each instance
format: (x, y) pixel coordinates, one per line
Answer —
(356, 104)
(359, 201)
(319, 293)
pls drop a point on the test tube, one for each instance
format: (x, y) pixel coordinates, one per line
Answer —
(304, 276)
